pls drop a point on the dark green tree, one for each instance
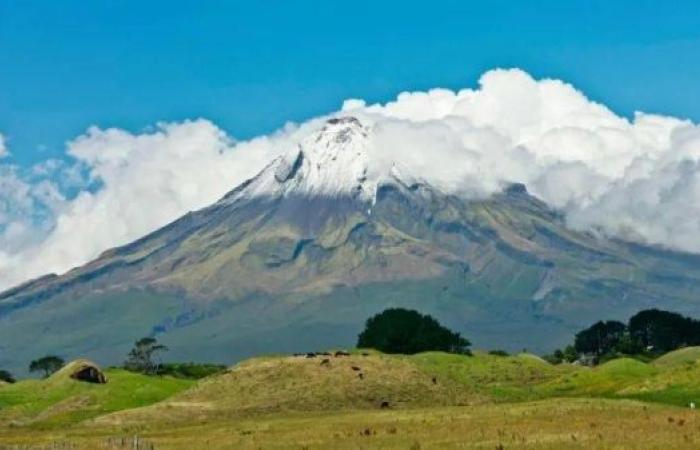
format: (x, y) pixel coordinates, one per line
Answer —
(48, 364)
(555, 357)
(662, 331)
(405, 331)
(144, 356)
(6, 376)
(570, 354)
(628, 345)
(600, 338)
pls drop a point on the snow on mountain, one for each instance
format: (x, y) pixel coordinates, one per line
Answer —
(334, 161)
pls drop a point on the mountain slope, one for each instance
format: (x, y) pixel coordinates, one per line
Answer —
(299, 256)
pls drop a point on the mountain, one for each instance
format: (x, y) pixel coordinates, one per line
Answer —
(299, 256)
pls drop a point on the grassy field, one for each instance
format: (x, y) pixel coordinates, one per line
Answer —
(368, 400)
(59, 400)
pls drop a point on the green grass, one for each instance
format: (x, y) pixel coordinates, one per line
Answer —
(510, 378)
(678, 357)
(602, 381)
(434, 400)
(539, 425)
(59, 400)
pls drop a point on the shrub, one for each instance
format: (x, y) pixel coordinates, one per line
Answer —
(192, 371)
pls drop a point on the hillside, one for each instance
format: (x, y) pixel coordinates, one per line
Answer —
(433, 399)
(60, 400)
(296, 259)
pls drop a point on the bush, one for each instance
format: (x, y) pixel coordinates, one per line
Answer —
(192, 371)
(6, 376)
(405, 331)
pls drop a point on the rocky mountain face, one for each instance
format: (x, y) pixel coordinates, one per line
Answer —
(299, 256)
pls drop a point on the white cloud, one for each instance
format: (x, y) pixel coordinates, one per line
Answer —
(143, 182)
(637, 179)
(3, 147)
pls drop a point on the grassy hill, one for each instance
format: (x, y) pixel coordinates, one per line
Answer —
(678, 357)
(60, 400)
(368, 399)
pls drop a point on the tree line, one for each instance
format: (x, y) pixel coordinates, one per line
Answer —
(651, 332)
(144, 357)
(648, 333)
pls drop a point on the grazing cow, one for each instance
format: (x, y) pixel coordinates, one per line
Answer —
(364, 354)
(355, 368)
(384, 405)
(341, 353)
(326, 362)
(434, 380)
(311, 355)
(361, 376)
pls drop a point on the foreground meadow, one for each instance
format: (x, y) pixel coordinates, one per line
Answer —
(367, 400)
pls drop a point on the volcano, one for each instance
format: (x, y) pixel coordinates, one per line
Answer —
(296, 259)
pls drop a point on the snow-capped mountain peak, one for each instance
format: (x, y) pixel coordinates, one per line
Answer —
(334, 161)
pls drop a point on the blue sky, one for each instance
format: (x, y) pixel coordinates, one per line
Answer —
(251, 66)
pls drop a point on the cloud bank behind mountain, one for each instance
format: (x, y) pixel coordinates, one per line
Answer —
(635, 179)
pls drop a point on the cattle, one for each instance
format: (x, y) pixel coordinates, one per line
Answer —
(384, 405)
(311, 355)
(355, 368)
(326, 362)
(341, 353)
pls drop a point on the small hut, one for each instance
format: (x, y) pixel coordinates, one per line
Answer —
(86, 371)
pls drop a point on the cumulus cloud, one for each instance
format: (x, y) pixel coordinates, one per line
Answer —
(636, 179)
(136, 183)
(633, 178)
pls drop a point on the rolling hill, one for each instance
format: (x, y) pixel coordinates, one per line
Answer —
(428, 400)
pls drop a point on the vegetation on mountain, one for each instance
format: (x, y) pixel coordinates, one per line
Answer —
(47, 364)
(399, 330)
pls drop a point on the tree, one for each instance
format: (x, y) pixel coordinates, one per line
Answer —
(48, 364)
(663, 331)
(6, 376)
(570, 355)
(600, 338)
(405, 331)
(144, 356)
(555, 358)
